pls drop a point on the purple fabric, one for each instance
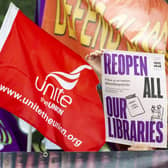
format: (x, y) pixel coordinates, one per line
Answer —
(10, 135)
(39, 11)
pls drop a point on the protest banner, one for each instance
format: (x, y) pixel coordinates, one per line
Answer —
(86, 26)
(135, 99)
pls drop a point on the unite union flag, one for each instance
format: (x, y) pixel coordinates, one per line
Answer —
(48, 85)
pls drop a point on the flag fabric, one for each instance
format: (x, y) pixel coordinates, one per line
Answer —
(49, 86)
(11, 138)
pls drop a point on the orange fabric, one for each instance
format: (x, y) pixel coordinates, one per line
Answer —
(85, 25)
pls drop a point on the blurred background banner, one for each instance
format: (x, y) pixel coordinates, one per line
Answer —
(86, 26)
(150, 159)
(39, 11)
(11, 138)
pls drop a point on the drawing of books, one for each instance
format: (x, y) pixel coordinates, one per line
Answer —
(134, 105)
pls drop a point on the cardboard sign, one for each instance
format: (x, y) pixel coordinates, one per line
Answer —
(134, 95)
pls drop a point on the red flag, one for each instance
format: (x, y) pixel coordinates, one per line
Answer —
(49, 86)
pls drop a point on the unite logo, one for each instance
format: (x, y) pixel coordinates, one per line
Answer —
(65, 80)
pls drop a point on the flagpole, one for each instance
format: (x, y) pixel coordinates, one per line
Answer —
(29, 139)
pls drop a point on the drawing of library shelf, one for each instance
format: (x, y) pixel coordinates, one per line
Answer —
(134, 105)
(157, 112)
